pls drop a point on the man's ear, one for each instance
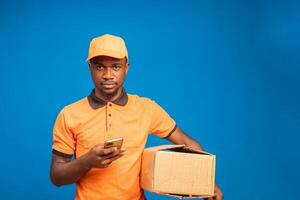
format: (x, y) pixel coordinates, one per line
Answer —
(90, 66)
(127, 68)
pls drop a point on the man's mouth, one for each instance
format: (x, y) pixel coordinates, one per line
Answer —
(108, 85)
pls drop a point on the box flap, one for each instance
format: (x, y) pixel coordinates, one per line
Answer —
(186, 149)
(164, 147)
(177, 148)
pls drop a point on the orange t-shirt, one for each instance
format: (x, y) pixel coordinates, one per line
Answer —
(91, 121)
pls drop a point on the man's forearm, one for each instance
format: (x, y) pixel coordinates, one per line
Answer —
(63, 172)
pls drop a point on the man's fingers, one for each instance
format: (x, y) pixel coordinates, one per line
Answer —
(112, 155)
(106, 156)
(219, 197)
(108, 151)
(110, 160)
(211, 198)
(218, 193)
(116, 157)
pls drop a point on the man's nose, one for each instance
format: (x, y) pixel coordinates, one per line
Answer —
(108, 73)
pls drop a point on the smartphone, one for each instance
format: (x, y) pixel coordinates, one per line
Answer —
(117, 142)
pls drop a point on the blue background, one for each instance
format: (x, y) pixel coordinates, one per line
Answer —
(227, 72)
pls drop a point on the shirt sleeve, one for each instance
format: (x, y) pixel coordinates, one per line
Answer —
(63, 138)
(162, 124)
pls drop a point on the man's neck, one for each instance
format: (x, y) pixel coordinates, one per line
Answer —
(108, 97)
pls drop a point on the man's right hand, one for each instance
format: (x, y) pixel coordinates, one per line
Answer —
(98, 157)
(66, 171)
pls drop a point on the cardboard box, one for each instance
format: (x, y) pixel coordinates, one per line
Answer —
(179, 171)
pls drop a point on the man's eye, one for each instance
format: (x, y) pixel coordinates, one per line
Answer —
(99, 67)
(116, 67)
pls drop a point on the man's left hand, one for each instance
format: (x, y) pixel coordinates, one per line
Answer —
(218, 195)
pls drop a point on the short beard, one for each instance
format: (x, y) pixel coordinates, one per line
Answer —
(109, 96)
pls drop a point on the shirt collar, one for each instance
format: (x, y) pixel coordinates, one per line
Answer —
(96, 102)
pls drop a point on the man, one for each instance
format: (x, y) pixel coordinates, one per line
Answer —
(107, 113)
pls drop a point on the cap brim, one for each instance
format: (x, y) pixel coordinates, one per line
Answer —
(112, 54)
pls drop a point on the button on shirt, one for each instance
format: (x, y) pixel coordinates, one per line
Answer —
(90, 121)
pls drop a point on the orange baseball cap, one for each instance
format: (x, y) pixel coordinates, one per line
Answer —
(108, 45)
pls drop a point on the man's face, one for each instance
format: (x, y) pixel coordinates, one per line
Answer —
(108, 74)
